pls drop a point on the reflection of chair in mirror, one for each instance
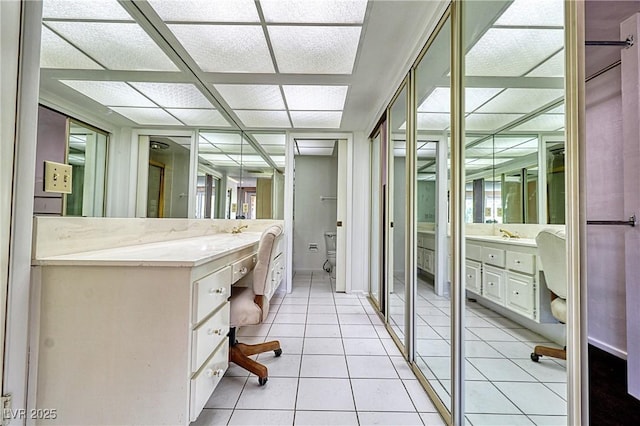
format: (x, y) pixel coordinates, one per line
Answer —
(250, 304)
(552, 252)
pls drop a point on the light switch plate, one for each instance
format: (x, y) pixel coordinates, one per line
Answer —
(57, 177)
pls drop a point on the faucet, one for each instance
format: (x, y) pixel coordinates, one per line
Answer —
(238, 229)
(507, 234)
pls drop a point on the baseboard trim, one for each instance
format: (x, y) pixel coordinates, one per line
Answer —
(608, 348)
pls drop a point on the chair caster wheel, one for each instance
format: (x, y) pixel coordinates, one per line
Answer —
(278, 352)
(535, 357)
(262, 380)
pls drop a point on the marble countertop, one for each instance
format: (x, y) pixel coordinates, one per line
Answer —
(186, 252)
(523, 242)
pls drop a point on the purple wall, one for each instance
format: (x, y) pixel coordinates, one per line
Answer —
(52, 145)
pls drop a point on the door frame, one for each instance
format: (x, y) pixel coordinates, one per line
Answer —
(347, 199)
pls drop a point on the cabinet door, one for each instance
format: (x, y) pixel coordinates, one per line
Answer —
(493, 283)
(473, 276)
(420, 258)
(520, 294)
(428, 259)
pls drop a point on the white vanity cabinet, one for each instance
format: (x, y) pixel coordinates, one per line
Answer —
(504, 272)
(134, 337)
(426, 252)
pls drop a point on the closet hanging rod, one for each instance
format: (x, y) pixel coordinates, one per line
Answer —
(625, 43)
(630, 222)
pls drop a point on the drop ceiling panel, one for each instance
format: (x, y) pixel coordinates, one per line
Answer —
(57, 53)
(279, 160)
(253, 160)
(220, 159)
(110, 93)
(315, 50)
(264, 118)
(440, 99)
(533, 13)
(174, 95)
(542, 123)
(316, 151)
(221, 138)
(521, 100)
(557, 110)
(118, 46)
(433, 121)
(206, 10)
(488, 122)
(511, 52)
(273, 149)
(147, 116)
(270, 138)
(226, 48)
(553, 67)
(199, 117)
(315, 143)
(251, 96)
(318, 11)
(84, 9)
(316, 119)
(315, 98)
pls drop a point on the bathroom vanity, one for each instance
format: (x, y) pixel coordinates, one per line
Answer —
(135, 334)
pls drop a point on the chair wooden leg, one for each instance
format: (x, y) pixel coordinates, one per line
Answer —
(239, 354)
(237, 357)
(259, 348)
(539, 351)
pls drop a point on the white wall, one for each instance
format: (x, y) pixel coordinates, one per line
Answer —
(315, 176)
(358, 257)
(605, 201)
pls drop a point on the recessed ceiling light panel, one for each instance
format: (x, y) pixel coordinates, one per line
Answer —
(315, 98)
(57, 53)
(110, 93)
(118, 46)
(533, 13)
(226, 48)
(317, 11)
(488, 122)
(148, 116)
(315, 50)
(316, 119)
(269, 119)
(499, 51)
(270, 138)
(206, 10)
(521, 100)
(84, 9)
(200, 117)
(174, 95)
(251, 96)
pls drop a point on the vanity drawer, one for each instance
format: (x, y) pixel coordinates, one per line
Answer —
(521, 262)
(473, 276)
(242, 267)
(205, 382)
(208, 336)
(493, 256)
(428, 261)
(210, 292)
(520, 294)
(474, 252)
(493, 284)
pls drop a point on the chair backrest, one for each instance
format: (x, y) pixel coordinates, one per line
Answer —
(553, 256)
(262, 280)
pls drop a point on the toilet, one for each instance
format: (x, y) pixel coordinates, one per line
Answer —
(330, 244)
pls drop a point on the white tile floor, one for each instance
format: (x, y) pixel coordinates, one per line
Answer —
(501, 380)
(339, 367)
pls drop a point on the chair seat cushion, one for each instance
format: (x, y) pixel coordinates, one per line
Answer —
(244, 311)
(559, 309)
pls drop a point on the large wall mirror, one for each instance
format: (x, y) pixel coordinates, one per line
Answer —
(234, 179)
(514, 174)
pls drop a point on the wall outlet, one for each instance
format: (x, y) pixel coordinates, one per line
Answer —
(313, 247)
(57, 177)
